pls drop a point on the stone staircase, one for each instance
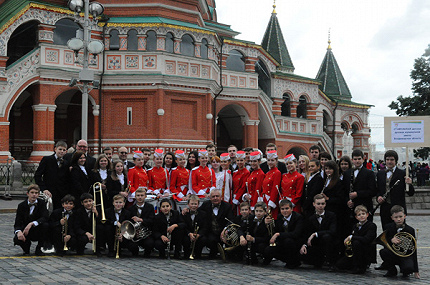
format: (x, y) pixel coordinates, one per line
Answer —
(420, 200)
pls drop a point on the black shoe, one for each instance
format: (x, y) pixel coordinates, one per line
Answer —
(405, 275)
(99, 253)
(266, 261)
(111, 254)
(358, 271)
(177, 255)
(293, 265)
(390, 273)
(147, 254)
(38, 251)
(80, 252)
(331, 268)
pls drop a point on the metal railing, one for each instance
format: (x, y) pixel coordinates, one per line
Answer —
(28, 171)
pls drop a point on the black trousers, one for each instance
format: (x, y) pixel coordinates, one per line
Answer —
(109, 235)
(286, 250)
(57, 239)
(38, 234)
(323, 248)
(362, 256)
(212, 242)
(177, 237)
(385, 213)
(147, 244)
(406, 264)
(200, 243)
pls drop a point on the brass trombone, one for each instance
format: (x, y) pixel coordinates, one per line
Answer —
(97, 188)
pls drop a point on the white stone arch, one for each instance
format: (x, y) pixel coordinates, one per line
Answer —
(269, 64)
(351, 119)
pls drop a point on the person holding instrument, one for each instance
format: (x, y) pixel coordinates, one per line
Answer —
(385, 179)
(83, 225)
(407, 264)
(61, 223)
(196, 229)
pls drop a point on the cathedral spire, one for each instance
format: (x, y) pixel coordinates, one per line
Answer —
(333, 82)
(273, 42)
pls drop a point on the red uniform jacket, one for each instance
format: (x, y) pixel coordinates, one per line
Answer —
(158, 180)
(137, 177)
(202, 180)
(292, 188)
(179, 181)
(239, 185)
(255, 182)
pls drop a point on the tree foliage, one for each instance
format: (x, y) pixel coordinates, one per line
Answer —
(419, 103)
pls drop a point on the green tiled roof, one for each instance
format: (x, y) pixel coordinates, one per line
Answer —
(153, 20)
(273, 42)
(333, 82)
(10, 7)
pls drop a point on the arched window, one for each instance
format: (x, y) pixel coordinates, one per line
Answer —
(285, 106)
(187, 45)
(204, 49)
(114, 40)
(301, 109)
(235, 61)
(132, 40)
(151, 41)
(263, 77)
(23, 40)
(65, 29)
(169, 42)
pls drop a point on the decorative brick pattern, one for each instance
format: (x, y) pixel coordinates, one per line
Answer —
(150, 62)
(113, 62)
(52, 55)
(131, 62)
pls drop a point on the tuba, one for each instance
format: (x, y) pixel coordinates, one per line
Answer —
(134, 231)
(407, 246)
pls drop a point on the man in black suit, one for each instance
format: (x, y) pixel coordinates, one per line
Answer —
(289, 229)
(321, 233)
(217, 211)
(82, 145)
(194, 219)
(363, 186)
(385, 180)
(144, 214)
(31, 221)
(52, 175)
(281, 166)
(122, 154)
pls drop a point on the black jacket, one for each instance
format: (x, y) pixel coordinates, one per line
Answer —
(82, 223)
(23, 217)
(365, 186)
(295, 229)
(81, 182)
(201, 219)
(224, 211)
(397, 194)
(147, 214)
(160, 223)
(313, 187)
(327, 226)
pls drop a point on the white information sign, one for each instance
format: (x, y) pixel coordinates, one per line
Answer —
(406, 132)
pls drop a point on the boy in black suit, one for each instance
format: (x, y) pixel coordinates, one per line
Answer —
(217, 211)
(363, 183)
(143, 213)
(168, 229)
(313, 185)
(385, 180)
(31, 221)
(61, 223)
(115, 217)
(52, 175)
(83, 225)
(361, 239)
(194, 218)
(258, 234)
(321, 233)
(289, 231)
(407, 264)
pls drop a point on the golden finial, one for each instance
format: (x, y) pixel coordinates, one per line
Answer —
(329, 41)
(274, 7)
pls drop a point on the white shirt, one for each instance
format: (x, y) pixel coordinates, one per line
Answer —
(103, 174)
(390, 173)
(121, 178)
(83, 169)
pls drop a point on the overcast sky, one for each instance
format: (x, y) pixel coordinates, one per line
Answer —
(375, 42)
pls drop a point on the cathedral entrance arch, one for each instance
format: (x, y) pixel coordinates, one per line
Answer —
(230, 127)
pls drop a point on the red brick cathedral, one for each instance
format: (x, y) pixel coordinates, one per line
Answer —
(171, 76)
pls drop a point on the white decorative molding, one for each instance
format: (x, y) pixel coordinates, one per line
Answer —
(43, 142)
(44, 107)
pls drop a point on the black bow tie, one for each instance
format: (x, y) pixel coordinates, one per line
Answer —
(68, 212)
(356, 168)
(389, 170)
(320, 216)
(215, 206)
(193, 212)
(117, 211)
(140, 207)
(400, 226)
(60, 159)
(32, 204)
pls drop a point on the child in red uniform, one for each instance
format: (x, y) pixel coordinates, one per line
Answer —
(239, 180)
(292, 183)
(203, 178)
(179, 177)
(255, 180)
(271, 182)
(158, 176)
(137, 176)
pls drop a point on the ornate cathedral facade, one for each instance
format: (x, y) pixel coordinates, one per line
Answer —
(171, 76)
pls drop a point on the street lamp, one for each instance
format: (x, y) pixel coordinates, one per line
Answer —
(88, 46)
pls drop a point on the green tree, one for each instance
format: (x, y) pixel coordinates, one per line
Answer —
(419, 103)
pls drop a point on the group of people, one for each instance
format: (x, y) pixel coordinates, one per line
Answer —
(308, 209)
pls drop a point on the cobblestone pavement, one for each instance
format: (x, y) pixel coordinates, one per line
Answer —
(16, 269)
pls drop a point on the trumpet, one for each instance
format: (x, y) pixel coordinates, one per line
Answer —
(348, 249)
(117, 245)
(64, 231)
(271, 226)
(196, 230)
